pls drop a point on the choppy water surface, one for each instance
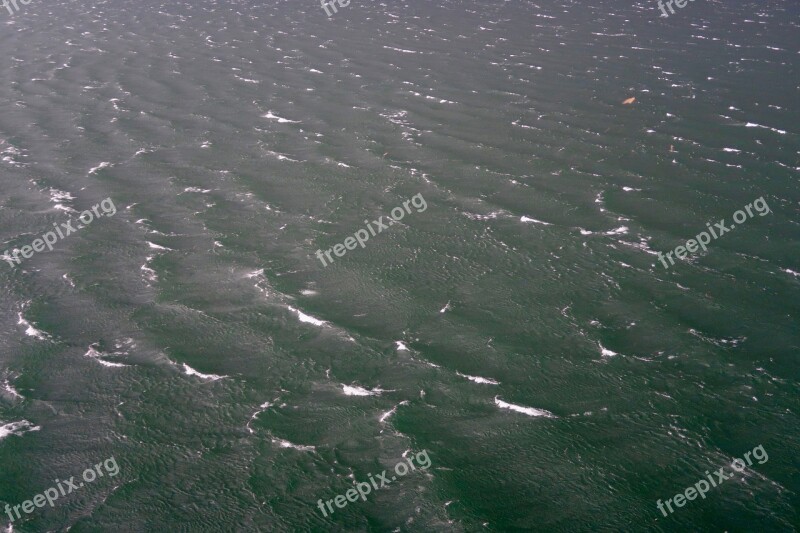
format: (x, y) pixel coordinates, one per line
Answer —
(521, 329)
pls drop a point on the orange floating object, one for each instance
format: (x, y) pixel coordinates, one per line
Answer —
(629, 100)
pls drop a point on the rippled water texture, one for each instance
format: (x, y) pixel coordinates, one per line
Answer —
(521, 329)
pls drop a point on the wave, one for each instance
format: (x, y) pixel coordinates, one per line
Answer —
(17, 428)
(530, 411)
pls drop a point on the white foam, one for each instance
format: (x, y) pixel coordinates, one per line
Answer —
(618, 231)
(264, 406)
(401, 346)
(392, 411)
(792, 272)
(401, 50)
(478, 379)
(533, 220)
(9, 388)
(445, 308)
(281, 157)
(189, 371)
(753, 125)
(530, 411)
(282, 120)
(307, 318)
(197, 189)
(286, 444)
(606, 352)
(98, 356)
(149, 272)
(58, 197)
(157, 246)
(360, 391)
(17, 428)
(101, 166)
(31, 331)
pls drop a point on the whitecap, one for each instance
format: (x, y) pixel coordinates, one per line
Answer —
(157, 246)
(753, 125)
(189, 371)
(401, 50)
(9, 388)
(31, 331)
(401, 346)
(530, 411)
(445, 308)
(101, 166)
(605, 352)
(392, 411)
(264, 406)
(360, 391)
(282, 157)
(618, 231)
(197, 189)
(58, 197)
(792, 272)
(98, 356)
(255, 274)
(286, 444)
(282, 120)
(17, 428)
(149, 272)
(307, 318)
(478, 379)
(527, 219)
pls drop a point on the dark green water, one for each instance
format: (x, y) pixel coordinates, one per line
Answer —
(521, 328)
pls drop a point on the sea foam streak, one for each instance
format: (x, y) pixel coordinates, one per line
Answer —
(31, 331)
(98, 356)
(478, 379)
(530, 411)
(17, 428)
(392, 411)
(282, 120)
(189, 371)
(534, 221)
(286, 444)
(9, 388)
(361, 391)
(307, 318)
(264, 406)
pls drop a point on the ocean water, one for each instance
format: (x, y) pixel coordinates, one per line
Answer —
(520, 329)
